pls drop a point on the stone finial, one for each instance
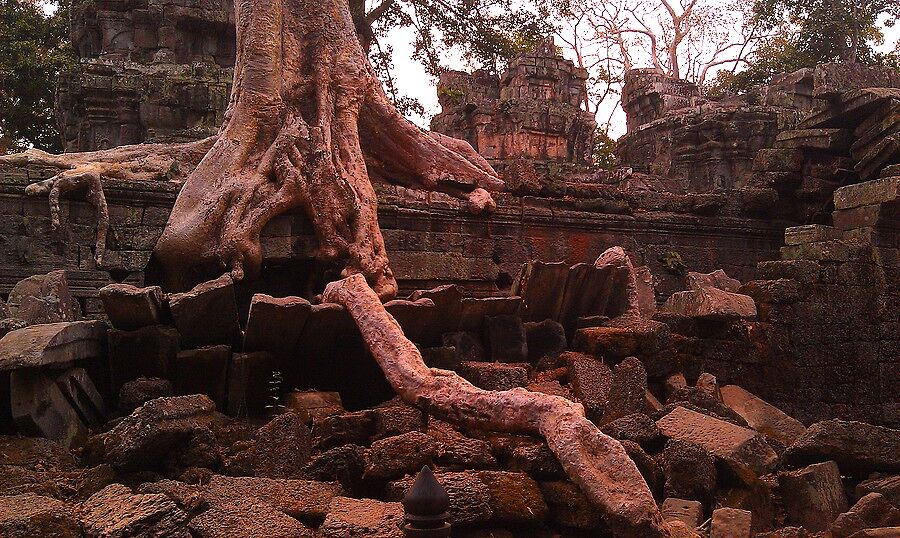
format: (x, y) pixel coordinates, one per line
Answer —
(425, 508)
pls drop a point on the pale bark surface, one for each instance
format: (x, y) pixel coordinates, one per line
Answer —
(593, 460)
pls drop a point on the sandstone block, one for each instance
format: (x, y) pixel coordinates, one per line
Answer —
(469, 496)
(591, 381)
(886, 532)
(494, 375)
(43, 299)
(811, 233)
(857, 447)
(243, 518)
(396, 456)
(628, 391)
(447, 301)
(569, 507)
(203, 371)
(136, 393)
(474, 311)
(148, 351)
(344, 464)
(867, 193)
(621, 338)
(636, 427)
(710, 303)
(312, 405)
(302, 499)
(40, 407)
(249, 378)
(813, 496)
(115, 511)
(365, 518)
(281, 449)
(396, 418)
(506, 337)
(468, 346)
(690, 471)
(207, 314)
(28, 515)
(871, 511)
(356, 428)
(730, 523)
(542, 286)
(888, 486)
(53, 343)
(414, 317)
(717, 279)
(762, 416)
(688, 512)
(129, 307)
(546, 342)
(275, 324)
(744, 450)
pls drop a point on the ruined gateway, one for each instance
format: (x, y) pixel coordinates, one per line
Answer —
(701, 342)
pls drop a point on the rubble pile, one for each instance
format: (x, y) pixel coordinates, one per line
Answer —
(178, 419)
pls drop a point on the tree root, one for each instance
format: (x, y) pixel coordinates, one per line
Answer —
(594, 461)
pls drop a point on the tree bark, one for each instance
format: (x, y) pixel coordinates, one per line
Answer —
(594, 461)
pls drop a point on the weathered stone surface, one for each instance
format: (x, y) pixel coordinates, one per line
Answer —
(115, 511)
(762, 416)
(469, 496)
(312, 405)
(569, 507)
(53, 343)
(302, 499)
(40, 406)
(514, 497)
(591, 381)
(618, 339)
(495, 375)
(275, 324)
(730, 523)
(136, 393)
(395, 456)
(855, 446)
(888, 486)
(871, 511)
(344, 464)
(468, 346)
(249, 378)
(546, 342)
(145, 438)
(506, 337)
(690, 471)
(813, 496)
(129, 307)
(356, 428)
(207, 314)
(79, 390)
(8, 325)
(148, 351)
(867, 193)
(414, 317)
(363, 518)
(745, 451)
(475, 310)
(542, 287)
(283, 447)
(688, 512)
(396, 417)
(244, 518)
(447, 300)
(810, 233)
(629, 387)
(886, 532)
(43, 299)
(710, 303)
(27, 516)
(203, 371)
(636, 427)
(456, 451)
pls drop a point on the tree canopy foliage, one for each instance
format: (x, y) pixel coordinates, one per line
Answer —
(34, 48)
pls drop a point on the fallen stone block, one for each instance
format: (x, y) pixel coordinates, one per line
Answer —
(871, 511)
(710, 303)
(137, 392)
(147, 352)
(79, 390)
(541, 286)
(591, 381)
(302, 499)
(867, 193)
(143, 439)
(569, 507)
(468, 346)
(207, 314)
(249, 383)
(129, 307)
(857, 447)
(474, 311)
(628, 390)
(888, 486)
(494, 375)
(247, 518)
(313, 405)
(731, 523)
(689, 470)
(8, 325)
(396, 418)
(636, 427)
(456, 451)
(344, 464)
(28, 516)
(810, 233)
(346, 428)
(744, 450)
(414, 317)
(717, 279)
(688, 512)
(116, 511)
(469, 496)
(885, 532)
(40, 407)
(506, 337)
(43, 299)
(275, 323)
(203, 371)
(447, 301)
(396, 456)
(620, 338)
(762, 416)
(813, 496)
(52, 343)
(282, 449)
(546, 342)
(362, 517)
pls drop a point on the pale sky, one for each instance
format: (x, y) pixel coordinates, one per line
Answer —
(414, 82)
